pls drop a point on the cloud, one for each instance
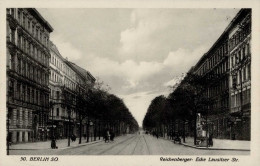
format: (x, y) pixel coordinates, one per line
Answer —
(138, 52)
(183, 59)
(129, 72)
(139, 41)
(153, 33)
(66, 48)
(172, 82)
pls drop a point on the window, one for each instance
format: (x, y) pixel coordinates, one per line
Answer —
(12, 35)
(47, 79)
(24, 44)
(32, 99)
(33, 30)
(19, 41)
(244, 74)
(58, 112)
(37, 34)
(18, 90)
(36, 53)
(36, 98)
(29, 48)
(31, 72)
(11, 89)
(45, 41)
(53, 94)
(23, 93)
(29, 26)
(22, 67)
(12, 62)
(37, 74)
(26, 69)
(249, 71)
(19, 65)
(248, 49)
(28, 94)
(19, 17)
(12, 12)
(23, 21)
(40, 36)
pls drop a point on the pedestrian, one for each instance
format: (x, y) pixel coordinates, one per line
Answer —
(112, 136)
(9, 139)
(53, 143)
(73, 138)
(210, 140)
(108, 135)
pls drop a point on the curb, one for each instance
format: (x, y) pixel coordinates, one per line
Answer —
(205, 148)
(209, 148)
(78, 145)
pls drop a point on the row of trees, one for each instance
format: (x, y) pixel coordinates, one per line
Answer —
(97, 107)
(177, 113)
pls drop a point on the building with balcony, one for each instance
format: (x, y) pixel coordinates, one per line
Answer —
(226, 69)
(85, 82)
(28, 56)
(67, 83)
(240, 75)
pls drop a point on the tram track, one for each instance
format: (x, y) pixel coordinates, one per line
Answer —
(114, 146)
(147, 145)
(135, 146)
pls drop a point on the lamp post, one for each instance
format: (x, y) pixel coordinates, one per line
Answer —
(69, 112)
(91, 125)
(87, 129)
(52, 121)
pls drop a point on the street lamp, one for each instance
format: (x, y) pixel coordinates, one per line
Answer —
(51, 106)
(69, 112)
(91, 135)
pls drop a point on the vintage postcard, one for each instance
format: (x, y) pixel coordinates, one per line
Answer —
(130, 83)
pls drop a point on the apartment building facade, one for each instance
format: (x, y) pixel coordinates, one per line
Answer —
(67, 82)
(240, 75)
(226, 67)
(28, 55)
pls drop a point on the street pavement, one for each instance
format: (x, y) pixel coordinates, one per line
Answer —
(130, 144)
(61, 143)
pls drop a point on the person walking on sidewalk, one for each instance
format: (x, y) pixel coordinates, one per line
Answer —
(53, 143)
(112, 136)
(210, 140)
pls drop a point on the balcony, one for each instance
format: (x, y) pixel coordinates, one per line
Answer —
(56, 117)
(245, 107)
(235, 109)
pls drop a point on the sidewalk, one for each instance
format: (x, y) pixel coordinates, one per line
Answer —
(62, 144)
(221, 144)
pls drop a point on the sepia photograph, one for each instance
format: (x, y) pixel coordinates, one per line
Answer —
(128, 81)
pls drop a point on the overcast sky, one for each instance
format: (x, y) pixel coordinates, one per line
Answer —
(137, 52)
